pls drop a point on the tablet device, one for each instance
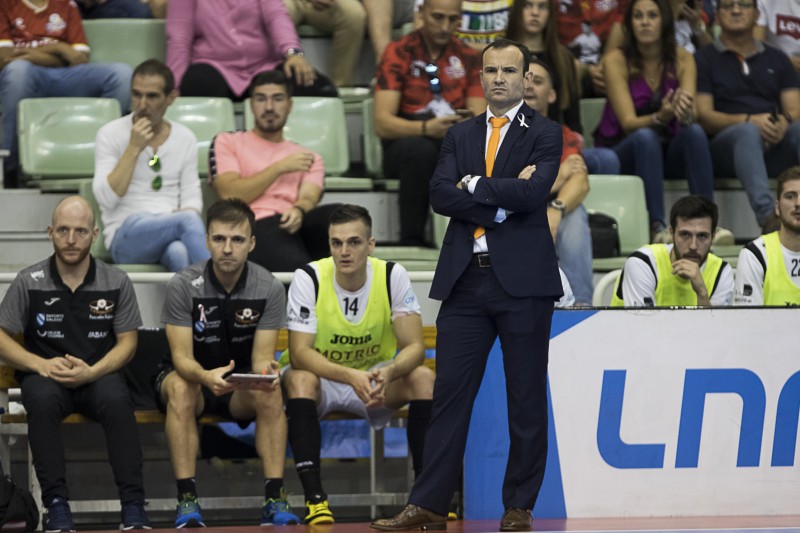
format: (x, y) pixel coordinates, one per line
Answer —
(249, 378)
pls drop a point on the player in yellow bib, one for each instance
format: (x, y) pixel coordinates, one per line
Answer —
(685, 273)
(768, 271)
(355, 344)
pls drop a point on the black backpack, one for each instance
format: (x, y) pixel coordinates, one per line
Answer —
(18, 511)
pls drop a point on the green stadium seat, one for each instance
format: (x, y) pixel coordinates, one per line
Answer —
(373, 150)
(205, 117)
(128, 41)
(591, 111)
(622, 198)
(57, 136)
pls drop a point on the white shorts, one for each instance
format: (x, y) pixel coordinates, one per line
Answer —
(336, 396)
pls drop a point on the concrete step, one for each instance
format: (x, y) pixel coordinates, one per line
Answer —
(22, 248)
(26, 210)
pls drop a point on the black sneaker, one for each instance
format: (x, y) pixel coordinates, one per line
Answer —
(134, 517)
(59, 517)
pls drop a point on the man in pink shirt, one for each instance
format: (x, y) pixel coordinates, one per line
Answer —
(282, 181)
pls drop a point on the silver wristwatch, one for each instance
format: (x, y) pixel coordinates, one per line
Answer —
(465, 181)
(558, 204)
(293, 52)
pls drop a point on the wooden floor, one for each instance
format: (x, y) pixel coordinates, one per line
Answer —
(740, 524)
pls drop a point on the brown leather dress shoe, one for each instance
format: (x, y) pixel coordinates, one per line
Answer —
(516, 519)
(412, 517)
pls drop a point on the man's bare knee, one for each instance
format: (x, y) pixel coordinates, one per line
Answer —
(181, 397)
(301, 384)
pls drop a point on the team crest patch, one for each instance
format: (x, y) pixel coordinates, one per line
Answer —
(101, 308)
(304, 312)
(455, 69)
(55, 24)
(246, 316)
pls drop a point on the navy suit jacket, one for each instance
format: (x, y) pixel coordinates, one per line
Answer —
(521, 247)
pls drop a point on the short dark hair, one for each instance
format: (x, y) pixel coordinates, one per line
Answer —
(694, 206)
(154, 67)
(351, 213)
(231, 211)
(545, 66)
(505, 43)
(790, 174)
(271, 77)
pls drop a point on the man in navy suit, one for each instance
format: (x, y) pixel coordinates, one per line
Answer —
(497, 275)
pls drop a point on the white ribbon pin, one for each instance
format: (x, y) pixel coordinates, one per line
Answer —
(521, 119)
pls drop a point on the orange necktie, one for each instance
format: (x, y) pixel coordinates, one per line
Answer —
(491, 151)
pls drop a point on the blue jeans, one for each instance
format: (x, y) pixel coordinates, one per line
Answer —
(687, 157)
(738, 151)
(574, 250)
(176, 240)
(22, 79)
(601, 161)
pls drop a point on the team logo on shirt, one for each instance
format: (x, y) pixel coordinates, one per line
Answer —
(40, 320)
(55, 24)
(246, 316)
(101, 308)
(51, 301)
(787, 25)
(197, 282)
(455, 69)
(304, 312)
(410, 298)
(39, 274)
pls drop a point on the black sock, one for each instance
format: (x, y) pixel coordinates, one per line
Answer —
(305, 438)
(273, 488)
(419, 414)
(186, 486)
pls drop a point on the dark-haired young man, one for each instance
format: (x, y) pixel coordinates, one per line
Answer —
(683, 273)
(768, 271)
(280, 180)
(223, 315)
(145, 179)
(349, 314)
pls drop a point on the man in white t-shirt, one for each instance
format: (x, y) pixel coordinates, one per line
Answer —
(685, 273)
(779, 25)
(355, 345)
(145, 179)
(768, 271)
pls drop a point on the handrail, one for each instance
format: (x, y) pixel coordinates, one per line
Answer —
(163, 277)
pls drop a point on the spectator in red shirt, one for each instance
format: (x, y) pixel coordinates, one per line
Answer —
(43, 52)
(426, 82)
(580, 24)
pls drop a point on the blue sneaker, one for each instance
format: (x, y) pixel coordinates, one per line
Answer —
(276, 512)
(59, 517)
(134, 517)
(189, 513)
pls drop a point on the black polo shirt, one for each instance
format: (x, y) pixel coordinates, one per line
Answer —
(224, 324)
(57, 321)
(750, 84)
